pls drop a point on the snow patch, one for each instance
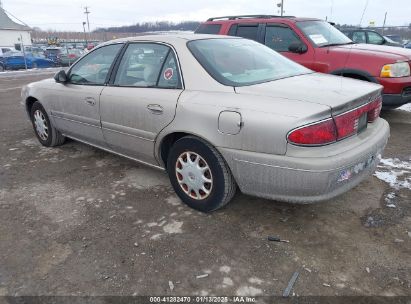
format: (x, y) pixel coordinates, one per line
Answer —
(173, 227)
(225, 269)
(389, 199)
(395, 172)
(248, 291)
(406, 107)
(228, 281)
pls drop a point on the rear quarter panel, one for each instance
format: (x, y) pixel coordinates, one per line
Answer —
(266, 121)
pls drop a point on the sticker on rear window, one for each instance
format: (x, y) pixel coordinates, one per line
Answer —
(168, 74)
(318, 39)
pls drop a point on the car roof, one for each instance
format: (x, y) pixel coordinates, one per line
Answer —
(169, 38)
(258, 18)
(358, 29)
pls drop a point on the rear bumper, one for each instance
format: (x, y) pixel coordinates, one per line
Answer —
(301, 179)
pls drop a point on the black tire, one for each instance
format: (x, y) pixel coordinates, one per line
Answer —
(223, 184)
(2, 69)
(54, 137)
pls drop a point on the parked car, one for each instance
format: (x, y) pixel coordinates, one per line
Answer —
(3, 50)
(370, 37)
(69, 56)
(216, 112)
(16, 60)
(408, 45)
(54, 54)
(396, 38)
(321, 47)
(34, 49)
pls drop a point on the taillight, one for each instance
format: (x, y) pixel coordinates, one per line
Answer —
(71, 56)
(337, 128)
(347, 123)
(321, 133)
(374, 109)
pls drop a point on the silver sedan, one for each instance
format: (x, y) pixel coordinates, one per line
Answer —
(216, 113)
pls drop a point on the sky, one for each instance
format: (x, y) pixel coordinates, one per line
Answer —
(68, 15)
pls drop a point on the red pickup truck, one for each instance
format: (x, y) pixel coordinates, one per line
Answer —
(319, 46)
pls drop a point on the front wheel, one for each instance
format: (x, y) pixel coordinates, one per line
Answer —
(45, 132)
(199, 174)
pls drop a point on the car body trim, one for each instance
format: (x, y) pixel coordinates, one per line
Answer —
(78, 119)
(124, 130)
(114, 152)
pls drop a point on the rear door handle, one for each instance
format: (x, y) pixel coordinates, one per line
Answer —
(90, 100)
(155, 109)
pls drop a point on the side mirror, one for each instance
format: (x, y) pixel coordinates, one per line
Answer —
(297, 47)
(61, 76)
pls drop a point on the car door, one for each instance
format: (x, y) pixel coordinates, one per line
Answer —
(359, 37)
(280, 36)
(141, 99)
(375, 38)
(246, 30)
(75, 109)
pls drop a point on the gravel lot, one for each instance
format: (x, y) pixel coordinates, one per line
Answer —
(75, 220)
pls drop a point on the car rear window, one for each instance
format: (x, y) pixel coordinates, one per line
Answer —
(208, 29)
(241, 62)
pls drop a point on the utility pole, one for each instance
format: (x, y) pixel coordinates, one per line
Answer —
(383, 26)
(24, 52)
(86, 11)
(282, 8)
(85, 35)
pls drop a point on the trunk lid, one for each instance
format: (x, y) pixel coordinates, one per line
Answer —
(338, 93)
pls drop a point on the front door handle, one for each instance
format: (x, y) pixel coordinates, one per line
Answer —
(155, 109)
(90, 100)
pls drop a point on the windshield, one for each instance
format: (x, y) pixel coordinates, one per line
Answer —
(322, 33)
(241, 62)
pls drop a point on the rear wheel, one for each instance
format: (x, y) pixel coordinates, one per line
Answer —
(1, 68)
(45, 132)
(199, 174)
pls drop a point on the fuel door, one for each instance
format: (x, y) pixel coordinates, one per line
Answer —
(230, 122)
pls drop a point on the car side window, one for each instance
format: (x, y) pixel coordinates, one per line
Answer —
(94, 67)
(374, 38)
(247, 31)
(359, 37)
(169, 76)
(279, 38)
(142, 63)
